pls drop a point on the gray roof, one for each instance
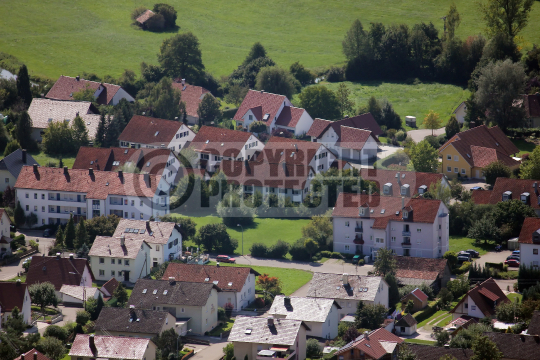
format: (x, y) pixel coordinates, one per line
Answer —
(331, 286)
(131, 320)
(303, 308)
(177, 293)
(14, 163)
(407, 320)
(414, 281)
(256, 330)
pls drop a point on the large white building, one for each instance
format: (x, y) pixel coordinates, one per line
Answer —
(529, 242)
(409, 227)
(53, 194)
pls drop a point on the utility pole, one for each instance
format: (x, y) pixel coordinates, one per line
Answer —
(242, 238)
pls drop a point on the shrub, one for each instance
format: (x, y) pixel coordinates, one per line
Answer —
(258, 250)
(258, 127)
(326, 254)
(258, 303)
(222, 315)
(298, 251)
(401, 135)
(312, 349)
(278, 250)
(336, 255)
(463, 268)
(391, 133)
(56, 331)
(335, 74)
(33, 243)
(137, 12)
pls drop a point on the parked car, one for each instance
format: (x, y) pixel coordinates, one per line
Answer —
(473, 253)
(516, 252)
(517, 257)
(47, 232)
(512, 263)
(463, 256)
(477, 188)
(225, 258)
(498, 248)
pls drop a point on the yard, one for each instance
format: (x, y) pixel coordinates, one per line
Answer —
(226, 326)
(68, 37)
(458, 243)
(44, 159)
(524, 146)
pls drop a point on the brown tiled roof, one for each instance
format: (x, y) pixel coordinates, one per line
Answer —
(532, 105)
(283, 332)
(149, 130)
(484, 295)
(428, 352)
(483, 156)
(420, 294)
(355, 139)
(365, 121)
(386, 208)
(413, 178)
(330, 286)
(266, 103)
(289, 116)
(481, 196)
(109, 347)
(66, 86)
(229, 278)
(96, 186)
(419, 268)
(178, 293)
(302, 151)
(111, 285)
(103, 158)
(318, 127)
(58, 271)
(131, 320)
(303, 308)
(534, 325)
(11, 295)
(145, 16)
(371, 345)
(222, 141)
(5, 240)
(530, 225)
(105, 246)
(516, 346)
(108, 93)
(517, 187)
(407, 320)
(153, 232)
(30, 355)
(192, 96)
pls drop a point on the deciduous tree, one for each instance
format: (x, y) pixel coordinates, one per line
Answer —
(530, 169)
(485, 349)
(355, 41)
(424, 157)
(269, 284)
(180, 56)
(43, 294)
(163, 101)
(452, 21)
(319, 229)
(506, 16)
(385, 262)
(320, 102)
(495, 170)
(276, 80)
(432, 121)
(208, 110)
(346, 105)
(79, 133)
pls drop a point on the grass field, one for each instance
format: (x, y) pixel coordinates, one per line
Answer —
(70, 36)
(458, 243)
(421, 342)
(514, 296)
(524, 146)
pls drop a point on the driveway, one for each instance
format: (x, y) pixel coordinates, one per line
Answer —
(419, 135)
(494, 257)
(212, 352)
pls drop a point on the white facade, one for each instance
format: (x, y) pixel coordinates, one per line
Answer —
(529, 254)
(164, 252)
(429, 240)
(177, 142)
(249, 117)
(348, 306)
(122, 269)
(26, 310)
(248, 149)
(322, 160)
(121, 94)
(460, 112)
(240, 299)
(330, 139)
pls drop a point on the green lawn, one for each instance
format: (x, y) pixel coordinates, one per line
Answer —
(523, 146)
(458, 243)
(421, 342)
(43, 159)
(265, 230)
(514, 296)
(222, 328)
(445, 321)
(71, 36)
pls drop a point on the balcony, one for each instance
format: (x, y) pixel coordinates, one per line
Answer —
(95, 207)
(406, 244)
(406, 233)
(359, 229)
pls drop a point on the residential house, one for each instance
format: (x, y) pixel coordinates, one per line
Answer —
(87, 347)
(403, 183)
(164, 238)
(5, 239)
(11, 166)
(46, 111)
(260, 337)
(355, 138)
(460, 112)
(408, 226)
(468, 152)
(276, 111)
(14, 294)
(419, 299)
(428, 352)
(32, 355)
(417, 271)
(125, 258)
(55, 194)
(77, 295)
(320, 315)
(405, 326)
(532, 109)
(516, 346)
(237, 284)
(505, 189)
(461, 323)
(59, 271)
(376, 344)
(154, 133)
(105, 94)
(133, 322)
(213, 144)
(529, 242)
(347, 290)
(192, 96)
(194, 305)
(109, 288)
(480, 301)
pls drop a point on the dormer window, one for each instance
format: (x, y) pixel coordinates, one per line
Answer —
(536, 237)
(507, 195)
(422, 189)
(405, 190)
(387, 189)
(405, 214)
(525, 198)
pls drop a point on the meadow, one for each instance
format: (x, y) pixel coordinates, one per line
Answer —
(71, 36)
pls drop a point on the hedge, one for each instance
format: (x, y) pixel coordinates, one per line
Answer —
(426, 313)
(498, 266)
(466, 266)
(524, 132)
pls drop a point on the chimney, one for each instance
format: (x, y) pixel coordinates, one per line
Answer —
(402, 202)
(398, 178)
(183, 81)
(78, 78)
(172, 280)
(120, 174)
(132, 306)
(345, 279)
(148, 229)
(535, 186)
(22, 356)
(91, 172)
(35, 169)
(366, 335)
(58, 256)
(18, 282)
(287, 301)
(35, 355)
(122, 240)
(92, 345)
(71, 256)
(262, 91)
(23, 153)
(217, 264)
(270, 320)
(66, 171)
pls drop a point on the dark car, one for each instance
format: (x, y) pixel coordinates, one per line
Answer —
(516, 257)
(225, 258)
(477, 188)
(473, 253)
(464, 257)
(512, 263)
(47, 232)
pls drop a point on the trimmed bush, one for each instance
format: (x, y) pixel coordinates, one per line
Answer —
(278, 250)
(463, 268)
(425, 313)
(498, 266)
(259, 250)
(326, 254)
(258, 303)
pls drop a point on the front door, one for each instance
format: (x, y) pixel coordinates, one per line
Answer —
(155, 264)
(126, 276)
(406, 252)
(478, 174)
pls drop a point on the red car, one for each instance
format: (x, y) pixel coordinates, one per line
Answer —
(512, 263)
(225, 258)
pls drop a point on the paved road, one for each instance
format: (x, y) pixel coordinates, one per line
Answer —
(212, 352)
(419, 135)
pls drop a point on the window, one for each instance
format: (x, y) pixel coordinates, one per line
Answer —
(101, 260)
(456, 170)
(448, 169)
(101, 272)
(466, 305)
(473, 307)
(418, 230)
(112, 261)
(35, 196)
(170, 245)
(142, 216)
(141, 203)
(347, 247)
(448, 157)
(6, 180)
(535, 251)
(26, 195)
(113, 273)
(157, 247)
(42, 196)
(250, 117)
(182, 310)
(27, 208)
(35, 207)
(133, 215)
(439, 226)
(119, 261)
(346, 223)
(126, 262)
(393, 239)
(456, 158)
(463, 171)
(126, 214)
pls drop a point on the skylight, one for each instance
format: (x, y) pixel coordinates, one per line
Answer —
(156, 134)
(215, 282)
(383, 211)
(135, 231)
(92, 162)
(207, 279)
(165, 292)
(154, 292)
(230, 284)
(207, 141)
(126, 151)
(148, 164)
(144, 291)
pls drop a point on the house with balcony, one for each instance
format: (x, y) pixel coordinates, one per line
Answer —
(213, 145)
(276, 111)
(480, 301)
(194, 305)
(154, 133)
(262, 338)
(54, 194)
(408, 226)
(529, 242)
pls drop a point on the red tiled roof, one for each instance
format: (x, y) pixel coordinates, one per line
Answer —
(484, 156)
(268, 103)
(517, 187)
(66, 86)
(62, 271)
(484, 295)
(413, 178)
(96, 186)
(420, 294)
(304, 151)
(149, 130)
(30, 355)
(365, 121)
(107, 94)
(491, 296)
(371, 345)
(532, 105)
(530, 225)
(481, 196)
(109, 347)
(11, 295)
(224, 275)
(289, 116)
(220, 141)
(318, 127)
(419, 268)
(145, 16)
(352, 138)
(111, 285)
(192, 96)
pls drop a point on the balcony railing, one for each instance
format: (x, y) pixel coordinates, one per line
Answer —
(53, 198)
(359, 229)
(406, 244)
(95, 207)
(406, 233)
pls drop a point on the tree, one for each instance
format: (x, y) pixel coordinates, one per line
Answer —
(440, 192)
(355, 42)
(393, 289)
(512, 214)
(85, 94)
(257, 51)
(43, 294)
(23, 85)
(530, 169)
(370, 316)
(313, 350)
(81, 236)
(82, 252)
(18, 215)
(236, 94)
(319, 229)
(99, 139)
(432, 121)
(163, 101)
(508, 312)
(311, 246)
(452, 127)
(442, 337)
(121, 295)
(12, 146)
(424, 157)
(58, 139)
(405, 353)
(494, 170)
(51, 347)
(24, 131)
(385, 262)
(507, 80)
(9, 197)
(445, 297)
(452, 21)
(101, 226)
(69, 234)
(180, 56)
(82, 317)
(506, 16)
(485, 229)
(59, 241)
(167, 342)
(208, 110)
(228, 351)
(16, 322)
(410, 306)
(485, 349)
(451, 258)
(258, 127)
(350, 334)
(346, 105)
(276, 80)
(320, 102)
(56, 331)
(300, 73)
(168, 13)
(270, 285)
(79, 133)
